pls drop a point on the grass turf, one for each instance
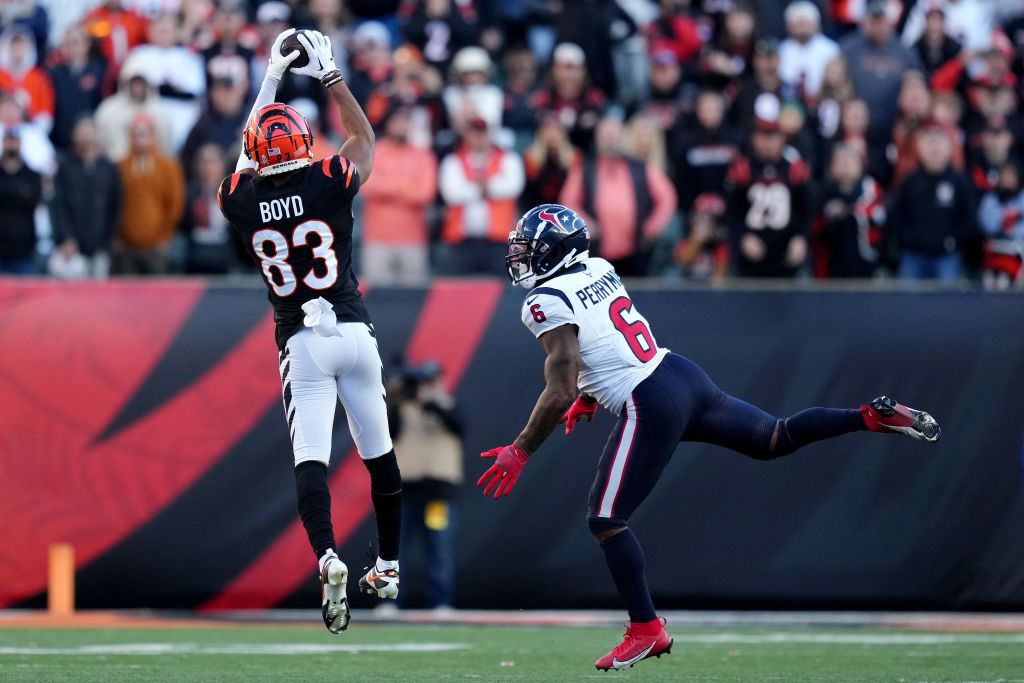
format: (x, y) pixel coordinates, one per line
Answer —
(499, 653)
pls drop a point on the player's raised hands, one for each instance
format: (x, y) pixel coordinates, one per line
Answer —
(509, 462)
(579, 409)
(278, 62)
(321, 59)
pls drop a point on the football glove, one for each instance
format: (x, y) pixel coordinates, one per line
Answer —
(577, 411)
(503, 474)
(321, 60)
(278, 62)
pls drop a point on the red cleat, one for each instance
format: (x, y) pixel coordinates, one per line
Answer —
(640, 642)
(886, 415)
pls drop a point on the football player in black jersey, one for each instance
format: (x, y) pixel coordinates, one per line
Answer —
(295, 219)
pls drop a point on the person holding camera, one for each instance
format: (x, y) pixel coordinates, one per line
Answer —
(427, 433)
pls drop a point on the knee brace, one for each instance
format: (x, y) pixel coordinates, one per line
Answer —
(599, 524)
(385, 477)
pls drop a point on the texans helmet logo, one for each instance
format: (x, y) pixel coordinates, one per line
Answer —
(546, 215)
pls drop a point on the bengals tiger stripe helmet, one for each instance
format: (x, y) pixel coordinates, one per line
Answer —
(277, 139)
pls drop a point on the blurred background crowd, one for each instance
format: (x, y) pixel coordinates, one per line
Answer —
(701, 139)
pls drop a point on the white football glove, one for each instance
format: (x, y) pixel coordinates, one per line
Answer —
(321, 60)
(278, 62)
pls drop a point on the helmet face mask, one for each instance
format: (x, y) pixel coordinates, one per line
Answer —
(547, 239)
(278, 140)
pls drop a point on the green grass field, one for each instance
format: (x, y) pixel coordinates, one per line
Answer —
(499, 653)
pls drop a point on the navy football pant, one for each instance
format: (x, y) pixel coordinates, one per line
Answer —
(679, 402)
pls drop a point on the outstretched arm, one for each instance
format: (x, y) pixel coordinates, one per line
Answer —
(560, 371)
(358, 147)
(268, 91)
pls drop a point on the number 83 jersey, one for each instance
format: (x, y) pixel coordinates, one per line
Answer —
(300, 235)
(617, 348)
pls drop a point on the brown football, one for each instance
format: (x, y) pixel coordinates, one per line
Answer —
(289, 45)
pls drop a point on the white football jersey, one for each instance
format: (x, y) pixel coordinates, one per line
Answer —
(617, 348)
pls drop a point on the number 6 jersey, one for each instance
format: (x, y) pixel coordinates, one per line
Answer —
(617, 349)
(300, 235)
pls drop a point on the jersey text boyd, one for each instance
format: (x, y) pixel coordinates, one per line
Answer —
(279, 209)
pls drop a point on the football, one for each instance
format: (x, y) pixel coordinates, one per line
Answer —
(292, 43)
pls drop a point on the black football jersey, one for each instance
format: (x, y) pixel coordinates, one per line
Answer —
(300, 235)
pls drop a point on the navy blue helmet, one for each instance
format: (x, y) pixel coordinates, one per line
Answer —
(547, 239)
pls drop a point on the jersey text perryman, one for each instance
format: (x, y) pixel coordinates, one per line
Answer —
(600, 290)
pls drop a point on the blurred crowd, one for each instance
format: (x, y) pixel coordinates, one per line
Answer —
(700, 139)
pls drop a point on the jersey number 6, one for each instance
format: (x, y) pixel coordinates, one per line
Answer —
(279, 259)
(639, 338)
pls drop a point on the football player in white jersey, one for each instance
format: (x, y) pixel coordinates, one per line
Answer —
(599, 345)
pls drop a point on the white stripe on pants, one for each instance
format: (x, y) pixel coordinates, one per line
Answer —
(618, 468)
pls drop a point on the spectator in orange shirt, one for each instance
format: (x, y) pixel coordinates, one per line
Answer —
(626, 203)
(118, 30)
(154, 200)
(395, 247)
(19, 73)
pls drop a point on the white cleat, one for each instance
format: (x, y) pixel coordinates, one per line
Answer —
(380, 582)
(334, 577)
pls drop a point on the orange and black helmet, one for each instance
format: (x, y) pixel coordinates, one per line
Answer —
(277, 138)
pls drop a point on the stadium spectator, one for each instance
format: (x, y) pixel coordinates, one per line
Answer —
(703, 253)
(835, 91)
(479, 183)
(986, 85)
(154, 199)
(20, 74)
(32, 17)
(520, 82)
(86, 206)
(598, 27)
(470, 89)
(727, 57)
(933, 213)
(768, 199)
(228, 56)
(849, 229)
(221, 123)
(176, 72)
(995, 150)
(396, 236)
(427, 431)
(877, 62)
(668, 98)
(211, 246)
(764, 78)
(675, 30)
(77, 81)
(136, 95)
(371, 60)
(440, 28)
(969, 22)
(569, 95)
(415, 85)
(644, 141)
(21, 189)
(547, 162)
(855, 130)
(35, 146)
(701, 154)
(804, 54)
(119, 30)
(626, 203)
(935, 47)
(1001, 218)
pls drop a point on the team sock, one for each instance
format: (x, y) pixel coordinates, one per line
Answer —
(314, 501)
(815, 424)
(625, 559)
(386, 494)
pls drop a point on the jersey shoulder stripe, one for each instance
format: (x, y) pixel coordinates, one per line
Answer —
(231, 183)
(553, 292)
(337, 167)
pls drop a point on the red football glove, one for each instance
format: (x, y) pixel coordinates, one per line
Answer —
(577, 411)
(504, 472)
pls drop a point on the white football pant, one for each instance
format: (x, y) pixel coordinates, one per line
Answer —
(315, 372)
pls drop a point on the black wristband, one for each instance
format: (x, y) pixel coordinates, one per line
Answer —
(331, 78)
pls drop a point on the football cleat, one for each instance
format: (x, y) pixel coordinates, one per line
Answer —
(886, 415)
(334, 577)
(380, 582)
(640, 642)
